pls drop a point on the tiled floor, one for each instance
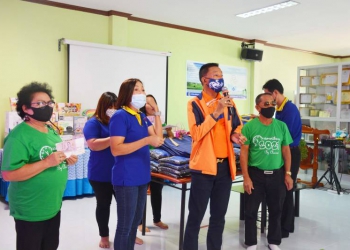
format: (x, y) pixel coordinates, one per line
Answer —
(323, 224)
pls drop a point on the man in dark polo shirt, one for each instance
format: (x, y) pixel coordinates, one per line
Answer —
(288, 113)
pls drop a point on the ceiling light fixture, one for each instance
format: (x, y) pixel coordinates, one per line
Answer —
(268, 9)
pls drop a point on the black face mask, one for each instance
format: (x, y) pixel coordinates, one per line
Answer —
(42, 114)
(267, 112)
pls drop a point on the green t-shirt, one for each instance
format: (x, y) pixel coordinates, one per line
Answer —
(40, 197)
(265, 143)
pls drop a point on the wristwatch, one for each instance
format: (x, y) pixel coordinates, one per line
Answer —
(289, 173)
(157, 113)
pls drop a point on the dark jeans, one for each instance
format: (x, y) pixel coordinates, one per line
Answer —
(272, 187)
(38, 235)
(104, 193)
(130, 204)
(287, 218)
(156, 199)
(217, 189)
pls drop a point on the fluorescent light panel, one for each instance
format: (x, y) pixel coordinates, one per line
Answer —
(268, 9)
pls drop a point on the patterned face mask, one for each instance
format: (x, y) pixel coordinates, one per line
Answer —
(216, 84)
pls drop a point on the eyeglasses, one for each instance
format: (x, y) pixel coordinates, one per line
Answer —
(272, 103)
(42, 104)
(214, 76)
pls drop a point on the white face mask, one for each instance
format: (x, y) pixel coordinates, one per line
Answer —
(110, 112)
(138, 101)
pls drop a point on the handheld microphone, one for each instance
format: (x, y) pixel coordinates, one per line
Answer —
(226, 93)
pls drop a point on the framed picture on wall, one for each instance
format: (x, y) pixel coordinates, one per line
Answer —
(345, 76)
(345, 97)
(318, 98)
(305, 98)
(329, 79)
(315, 80)
(305, 81)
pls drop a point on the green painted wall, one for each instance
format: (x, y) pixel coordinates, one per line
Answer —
(29, 52)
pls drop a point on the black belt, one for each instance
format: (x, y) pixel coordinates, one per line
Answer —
(220, 160)
(293, 147)
(266, 171)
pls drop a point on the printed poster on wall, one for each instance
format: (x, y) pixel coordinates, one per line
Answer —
(235, 79)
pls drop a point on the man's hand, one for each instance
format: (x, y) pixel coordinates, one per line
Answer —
(288, 181)
(223, 103)
(238, 138)
(248, 185)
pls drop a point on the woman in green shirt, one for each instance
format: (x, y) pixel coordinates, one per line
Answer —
(36, 171)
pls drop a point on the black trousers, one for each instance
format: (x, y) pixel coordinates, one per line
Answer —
(156, 199)
(38, 235)
(287, 219)
(212, 190)
(104, 193)
(272, 187)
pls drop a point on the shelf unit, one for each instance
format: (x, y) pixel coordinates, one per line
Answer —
(319, 91)
(323, 97)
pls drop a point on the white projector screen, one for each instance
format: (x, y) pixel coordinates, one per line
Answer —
(95, 68)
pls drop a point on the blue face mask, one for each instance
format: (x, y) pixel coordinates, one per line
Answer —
(138, 100)
(216, 84)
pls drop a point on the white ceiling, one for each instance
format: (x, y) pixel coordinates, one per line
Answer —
(321, 26)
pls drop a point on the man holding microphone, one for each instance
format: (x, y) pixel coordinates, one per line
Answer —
(213, 129)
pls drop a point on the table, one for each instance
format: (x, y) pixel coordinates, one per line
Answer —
(78, 183)
(183, 181)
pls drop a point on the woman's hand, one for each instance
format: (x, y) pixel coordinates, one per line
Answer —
(55, 158)
(151, 102)
(72, 160)
(155, 141)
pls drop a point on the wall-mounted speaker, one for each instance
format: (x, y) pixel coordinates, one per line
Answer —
(251, 54)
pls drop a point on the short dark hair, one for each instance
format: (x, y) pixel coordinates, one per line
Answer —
(272, 85)
(258, 98)
(143, 109)
(107, 100)
(205, 68)
(126, 91)
(26, 95)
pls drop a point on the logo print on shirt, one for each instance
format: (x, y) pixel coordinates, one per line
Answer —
(45, 151)
(271, 145)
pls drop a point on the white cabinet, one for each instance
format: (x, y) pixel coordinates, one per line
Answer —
(323, 95)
